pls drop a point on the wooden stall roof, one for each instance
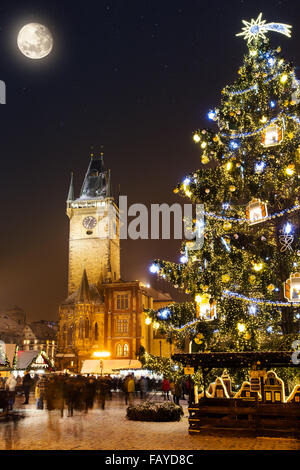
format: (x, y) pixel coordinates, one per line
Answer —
(263, 359)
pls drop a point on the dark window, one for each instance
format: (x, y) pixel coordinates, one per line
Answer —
(122, 301)
(87, 328)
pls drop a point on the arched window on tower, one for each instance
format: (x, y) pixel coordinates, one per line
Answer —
(64, 335)
(80, 335)
(96, 332)
(119, 350)
(125, 350)
(87, 328)
(71, 334)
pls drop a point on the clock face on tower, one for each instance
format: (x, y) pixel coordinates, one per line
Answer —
(89, 222)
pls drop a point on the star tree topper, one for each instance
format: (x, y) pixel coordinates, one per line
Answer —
(257, 28)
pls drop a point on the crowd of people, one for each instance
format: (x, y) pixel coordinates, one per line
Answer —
(60, 391)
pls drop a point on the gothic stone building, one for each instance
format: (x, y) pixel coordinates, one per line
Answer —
(102, 313)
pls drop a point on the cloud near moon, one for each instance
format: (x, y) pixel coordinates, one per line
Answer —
(35, 41)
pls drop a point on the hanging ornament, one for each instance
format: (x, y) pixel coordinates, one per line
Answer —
(256, 211)
(286, 238)
(257, 266)
(271, 287)
(199, 338)
(204, 159)
(290, 169)
(292, 288)
(227, 226)
(272, 135)
(205, 308)
(232, 188)
(252, 279)
(225, 278)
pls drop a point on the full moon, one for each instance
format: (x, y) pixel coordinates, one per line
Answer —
(35, 41)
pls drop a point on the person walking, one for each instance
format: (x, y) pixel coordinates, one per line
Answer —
(143, 387)
(90, 391)
(131, 389)
(27, 381)
(37, 396)
(10, 385)
(71, 393)
(165, 388)
(178, 391)
(103, 387)
(172, 389)
(125, 388)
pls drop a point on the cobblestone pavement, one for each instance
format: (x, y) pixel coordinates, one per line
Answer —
(110, 430)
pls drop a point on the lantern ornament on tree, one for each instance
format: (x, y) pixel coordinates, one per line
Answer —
(256, 211)
(292, 288)
(272, 135)
(206, 309)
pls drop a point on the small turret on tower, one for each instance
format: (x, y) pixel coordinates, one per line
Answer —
(71, 190)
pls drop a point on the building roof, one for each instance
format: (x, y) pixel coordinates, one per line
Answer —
(158, 295)
(109, 366)
(84, 289)
(42, 331)
(94, 296)
(26, 358)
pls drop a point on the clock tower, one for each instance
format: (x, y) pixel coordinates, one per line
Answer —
(94, 244)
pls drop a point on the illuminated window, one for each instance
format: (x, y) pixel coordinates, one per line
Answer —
(122, 326)
(119, 350)
(122, 301)
(125, 350)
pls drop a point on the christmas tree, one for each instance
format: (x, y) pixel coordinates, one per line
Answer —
(243, 284)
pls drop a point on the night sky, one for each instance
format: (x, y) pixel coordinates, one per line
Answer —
(136, 76)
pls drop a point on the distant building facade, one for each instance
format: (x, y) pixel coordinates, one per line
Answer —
(102, 313)
(12, 323)
(37, 336)
(41, 336)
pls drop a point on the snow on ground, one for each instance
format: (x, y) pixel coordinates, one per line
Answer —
(110, 430)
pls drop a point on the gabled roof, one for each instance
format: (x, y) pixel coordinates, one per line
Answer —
(158, 295)
(109, 366)
(42, 331)
(76, 297)
(26, 358)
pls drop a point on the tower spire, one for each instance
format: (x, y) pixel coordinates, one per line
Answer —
(84, 289)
